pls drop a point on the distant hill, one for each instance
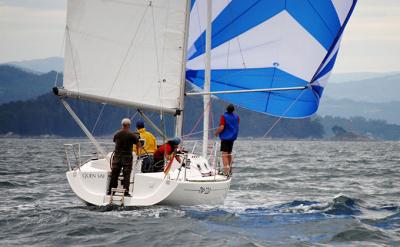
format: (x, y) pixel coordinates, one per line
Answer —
(340, 134)
(358, 76)
(387, 111)
(380, 89)
(44, 65)
(374, 98)
(46, 116)
(358, 128)
(17, 84)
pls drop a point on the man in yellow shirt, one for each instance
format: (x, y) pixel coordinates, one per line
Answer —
(146, 151)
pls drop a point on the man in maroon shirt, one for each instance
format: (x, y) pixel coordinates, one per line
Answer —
(165, 151)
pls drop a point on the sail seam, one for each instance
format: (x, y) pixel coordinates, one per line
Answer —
(230, 23)
(269, 94)
(320, 17)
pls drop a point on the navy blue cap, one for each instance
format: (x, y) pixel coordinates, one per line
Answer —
(139, 124)
(175, 141)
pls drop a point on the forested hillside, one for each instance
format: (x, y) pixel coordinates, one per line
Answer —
(34, 115)
(17, 84)
(46, 116)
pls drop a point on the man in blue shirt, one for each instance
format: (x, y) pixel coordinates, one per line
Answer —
(228, 131)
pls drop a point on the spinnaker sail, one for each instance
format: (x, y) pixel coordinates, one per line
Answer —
(261, 44)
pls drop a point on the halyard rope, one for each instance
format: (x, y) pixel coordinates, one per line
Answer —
(284, 113)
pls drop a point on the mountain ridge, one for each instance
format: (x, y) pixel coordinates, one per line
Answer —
(17, 84)
(41, 65)
(375, 90)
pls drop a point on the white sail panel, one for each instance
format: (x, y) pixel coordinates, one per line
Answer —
(129, 50)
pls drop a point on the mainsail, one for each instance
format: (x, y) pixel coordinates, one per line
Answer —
(126, 50)
(262, 44)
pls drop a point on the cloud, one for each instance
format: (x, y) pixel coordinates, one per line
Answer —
(30, 32)
(371, 42)
(35, 4)
(371, 39)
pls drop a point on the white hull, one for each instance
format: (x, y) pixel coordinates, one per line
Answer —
(193, 186)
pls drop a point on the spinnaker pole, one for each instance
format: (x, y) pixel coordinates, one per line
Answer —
(207, 78)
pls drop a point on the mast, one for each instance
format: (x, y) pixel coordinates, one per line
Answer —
(207, 77)
(179, 116)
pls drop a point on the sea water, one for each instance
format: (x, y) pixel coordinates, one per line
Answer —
(283, 193)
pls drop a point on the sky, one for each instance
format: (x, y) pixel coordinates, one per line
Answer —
(31, 29)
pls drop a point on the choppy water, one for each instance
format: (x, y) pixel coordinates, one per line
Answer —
(284, 193)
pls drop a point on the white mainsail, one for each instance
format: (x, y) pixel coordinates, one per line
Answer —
(127, 50)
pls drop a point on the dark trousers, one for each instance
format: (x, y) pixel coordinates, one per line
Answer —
(158, 165)
(147, 163)
(121, 162)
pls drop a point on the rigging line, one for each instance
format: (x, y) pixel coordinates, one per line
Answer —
(199, 132)
(61, 51)
(72, 56)
(156, 45)
(212, 134)
(211, 119)
(126, 3)
(198, 22)
(160, 94)
(134, 115)
(127, 52)
(198, 120)
(241, 53)
(120, 69)
(165, 28)
(227, 56)
(98, 118)
(284, 113)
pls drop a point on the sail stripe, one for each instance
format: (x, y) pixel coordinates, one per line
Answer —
(239, 17)
(318, 17)
(328, 67)
(235, 79)
(266, 39)
(342, 8)
(198, 17)
(335, 46)
(271, 43)
(236, 18)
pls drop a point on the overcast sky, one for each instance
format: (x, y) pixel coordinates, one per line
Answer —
(31, 29)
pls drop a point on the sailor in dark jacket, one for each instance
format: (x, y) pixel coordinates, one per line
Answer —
(122, 159)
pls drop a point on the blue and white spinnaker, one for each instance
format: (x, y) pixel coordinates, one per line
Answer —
(258, 44)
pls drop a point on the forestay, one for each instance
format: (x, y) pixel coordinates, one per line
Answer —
(129, 50)
(258, 44)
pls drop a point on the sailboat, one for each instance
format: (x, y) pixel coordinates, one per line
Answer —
(268, 56)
